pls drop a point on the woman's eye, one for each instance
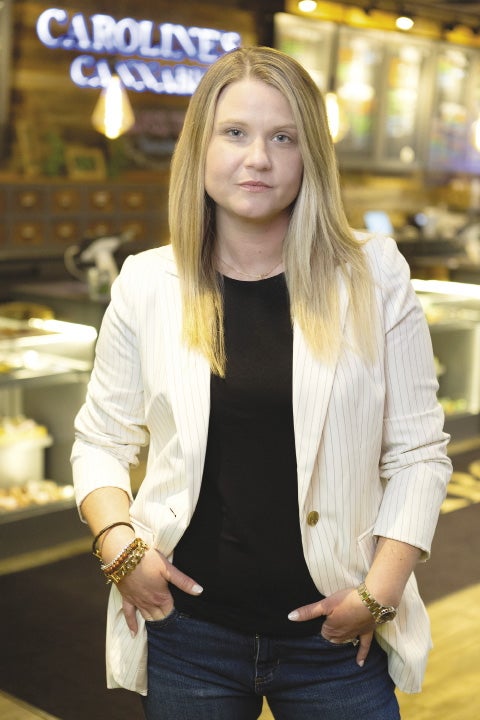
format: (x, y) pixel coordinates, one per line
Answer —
(282, 138)
(234, 132)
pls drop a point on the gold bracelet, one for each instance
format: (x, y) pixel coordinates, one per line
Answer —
(122, 555)
(130, 563)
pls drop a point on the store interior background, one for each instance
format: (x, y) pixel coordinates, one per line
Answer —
(407, 152)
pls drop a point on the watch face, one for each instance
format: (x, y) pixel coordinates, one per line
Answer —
(386, 615)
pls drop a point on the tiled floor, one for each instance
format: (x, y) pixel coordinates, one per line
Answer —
(13, 709)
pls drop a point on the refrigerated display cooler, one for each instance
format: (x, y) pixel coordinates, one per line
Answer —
(45, 366)
(453, 313)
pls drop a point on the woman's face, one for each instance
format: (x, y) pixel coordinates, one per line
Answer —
(253, 169)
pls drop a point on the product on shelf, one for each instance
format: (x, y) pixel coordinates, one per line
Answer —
(33, 493)
(22, 446)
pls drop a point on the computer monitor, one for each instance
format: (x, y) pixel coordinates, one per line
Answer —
(378, 221)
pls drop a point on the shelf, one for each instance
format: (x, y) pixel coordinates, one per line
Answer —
(48, 376)
(31, 511)
(51, 526)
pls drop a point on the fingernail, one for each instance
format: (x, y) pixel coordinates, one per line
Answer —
(361, 663)
(294, 615)
(197, 589)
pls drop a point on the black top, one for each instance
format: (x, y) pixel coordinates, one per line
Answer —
(243, 544)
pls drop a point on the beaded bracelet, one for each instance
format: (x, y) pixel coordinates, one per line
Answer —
(122, 555)
(129, 564)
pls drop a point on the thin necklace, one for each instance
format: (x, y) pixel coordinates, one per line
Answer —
(262, 276)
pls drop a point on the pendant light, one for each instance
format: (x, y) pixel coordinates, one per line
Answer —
(113, 114)
(336, 117)
(404, 20)
(307, 6)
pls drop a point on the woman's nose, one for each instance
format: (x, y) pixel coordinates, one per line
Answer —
(257, 155)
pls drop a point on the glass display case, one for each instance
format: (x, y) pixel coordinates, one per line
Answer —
(453, 314)
(456, 107)
(45, 365)
(311, 43)
(381, 81)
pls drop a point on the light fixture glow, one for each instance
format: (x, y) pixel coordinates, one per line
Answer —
(476, 134)
(403, 22)
(443, 287)
(113, 114)
(337, 123)
(307, 5)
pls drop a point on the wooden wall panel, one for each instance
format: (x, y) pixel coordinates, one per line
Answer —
(45, 203)
(44, 97)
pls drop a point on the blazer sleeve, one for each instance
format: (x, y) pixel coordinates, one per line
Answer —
(414, 465)
(110, 427)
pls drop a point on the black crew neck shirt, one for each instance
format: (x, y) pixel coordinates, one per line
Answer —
(243, 544)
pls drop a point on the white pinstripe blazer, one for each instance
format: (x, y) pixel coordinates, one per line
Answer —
(369, 441)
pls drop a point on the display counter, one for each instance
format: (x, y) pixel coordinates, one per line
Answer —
(69, 299)
(45, 365)
(453, 314)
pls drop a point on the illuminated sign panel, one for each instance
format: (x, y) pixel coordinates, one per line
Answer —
(145, 49)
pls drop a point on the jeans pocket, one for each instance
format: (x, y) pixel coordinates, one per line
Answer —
(172, 616)
(338, 645)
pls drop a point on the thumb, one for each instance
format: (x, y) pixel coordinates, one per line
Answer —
(309, 612)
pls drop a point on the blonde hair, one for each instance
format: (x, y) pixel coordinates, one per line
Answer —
(319, 242)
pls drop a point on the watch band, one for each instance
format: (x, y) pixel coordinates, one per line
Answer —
(381, 613)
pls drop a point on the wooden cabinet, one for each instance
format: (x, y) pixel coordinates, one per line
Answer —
(42, 218)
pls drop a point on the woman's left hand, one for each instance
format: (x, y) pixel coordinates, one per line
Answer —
(346, 619)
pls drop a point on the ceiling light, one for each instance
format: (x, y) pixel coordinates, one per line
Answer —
(307, 5)
(404, 22)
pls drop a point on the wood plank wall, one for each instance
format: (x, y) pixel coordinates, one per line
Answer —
(45, 101)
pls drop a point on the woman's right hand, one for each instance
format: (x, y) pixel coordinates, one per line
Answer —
(146, 589)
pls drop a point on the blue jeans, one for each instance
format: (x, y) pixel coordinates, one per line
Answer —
(201, 671)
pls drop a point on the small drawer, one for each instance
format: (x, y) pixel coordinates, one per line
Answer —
(133, 200)
(66, 200)
(28, 199)
(137, 228)
(28, 233)
(101, 199)
(66, 231)
(99, 227)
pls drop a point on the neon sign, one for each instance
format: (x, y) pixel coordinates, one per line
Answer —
(145, 48)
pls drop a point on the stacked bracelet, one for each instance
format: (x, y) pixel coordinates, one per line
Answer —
(126, 561)
(119, 559)
(95, 550)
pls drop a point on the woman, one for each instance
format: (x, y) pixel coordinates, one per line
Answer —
(280, 368)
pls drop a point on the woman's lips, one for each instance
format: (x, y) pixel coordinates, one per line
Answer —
(255, 186)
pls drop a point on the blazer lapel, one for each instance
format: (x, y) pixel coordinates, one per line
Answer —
(312, 385)
(189, 374)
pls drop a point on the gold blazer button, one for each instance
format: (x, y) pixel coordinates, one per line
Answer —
(313, 518)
